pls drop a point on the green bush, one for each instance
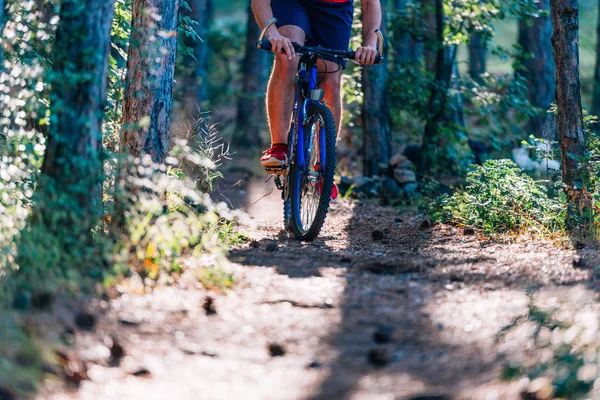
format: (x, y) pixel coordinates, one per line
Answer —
(500, 198)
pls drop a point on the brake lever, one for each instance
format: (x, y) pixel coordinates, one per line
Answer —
(264, 31)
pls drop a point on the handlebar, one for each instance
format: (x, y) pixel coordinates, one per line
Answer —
(348, 55)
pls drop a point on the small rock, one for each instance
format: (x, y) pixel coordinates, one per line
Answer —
(85, 321)
(404, 176)
(272, 247)
(379, 357)
(116, 351)
(345, 184)
(22, 301)
(383, 168)
(397, 160)
(365, 185)
(489, 286)
(468, 231)
(42, 301)
(412, 190)
(142, 373)
(377, 235)
(68, 337)
(209, 306)
(276, 350)
(129, 322)
(383, 334)
(390, 190)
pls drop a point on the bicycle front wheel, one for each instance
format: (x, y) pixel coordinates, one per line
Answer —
(311, 186)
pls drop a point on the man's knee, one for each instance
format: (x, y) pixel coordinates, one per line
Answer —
(285, 69)
(332, 82)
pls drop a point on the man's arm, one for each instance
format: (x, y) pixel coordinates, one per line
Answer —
(263, 14)
(371, 10)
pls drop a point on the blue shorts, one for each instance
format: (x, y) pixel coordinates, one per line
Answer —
(325, 24)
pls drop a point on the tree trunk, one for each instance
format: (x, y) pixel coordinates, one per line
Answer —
(68, 197)
(565, 40)
(251, 105)
(445, 60)
(431, 43)
(534, 37)
(201, 12)
(377, 144)
(477, 57)
(406, 49)
(1, 34)
(596, 99)
(148, 99)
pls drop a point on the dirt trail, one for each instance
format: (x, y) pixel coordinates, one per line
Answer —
(414, 313)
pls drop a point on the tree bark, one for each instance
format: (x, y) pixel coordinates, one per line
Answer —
(534, 38)
(565, 40)
(68, 198)
(148, 99)
(201, 12)
(251, 104)
(445, 60)
(1, 34)
(477, 57)
(377, 135)
(596, 99)
(406, 49)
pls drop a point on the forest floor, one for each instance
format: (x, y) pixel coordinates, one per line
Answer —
(414, 314)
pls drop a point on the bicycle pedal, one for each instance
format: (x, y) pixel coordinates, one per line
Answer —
(276, 170)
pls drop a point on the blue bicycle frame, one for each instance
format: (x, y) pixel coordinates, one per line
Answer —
(297, 140)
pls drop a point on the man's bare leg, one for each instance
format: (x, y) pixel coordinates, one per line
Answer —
(280, 92)
(331, 82)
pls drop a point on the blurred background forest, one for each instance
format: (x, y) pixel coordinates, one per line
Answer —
(120, 123)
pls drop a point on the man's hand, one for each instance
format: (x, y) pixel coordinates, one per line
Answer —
(366, 54)
(279, 43)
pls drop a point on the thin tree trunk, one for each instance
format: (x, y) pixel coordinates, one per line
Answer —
(1, 33)
(403, 43)
(565, 40)
(477, 57)
(596, 99)
(534, 38)
(439, 93)
(377, 144)
(148, 99)
(431, 43)
(68, 198)
(201, 12)
(251, 105)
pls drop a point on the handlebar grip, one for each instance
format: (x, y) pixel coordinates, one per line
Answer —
(264, 45)
(378, 59)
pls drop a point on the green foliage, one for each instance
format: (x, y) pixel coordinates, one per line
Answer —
(571, 359)
(215, 278)
(21, 359)
(500, 198)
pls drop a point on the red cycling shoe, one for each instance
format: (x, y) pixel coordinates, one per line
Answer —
(275, 159)
(334, 190)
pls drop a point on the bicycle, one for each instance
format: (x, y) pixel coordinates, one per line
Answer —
(306, 181)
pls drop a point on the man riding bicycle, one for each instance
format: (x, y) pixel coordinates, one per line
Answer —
(326, 23)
